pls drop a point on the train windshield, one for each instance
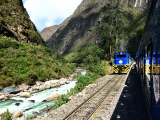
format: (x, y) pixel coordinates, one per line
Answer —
(121, 56)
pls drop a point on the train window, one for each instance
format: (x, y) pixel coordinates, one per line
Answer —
(114, 56)
(121, 56)
(148, 71)
(128, 56)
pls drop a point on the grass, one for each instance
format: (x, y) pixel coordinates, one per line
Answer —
(27, 63)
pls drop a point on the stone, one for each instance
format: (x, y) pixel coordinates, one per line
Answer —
(67, 82)
(2, 97)
(53, 97)
(25, 94)
(62, 81)
(23, 86)
(41, 87)
(47, 85)
(54, 83)
(3, 100)
(17, 114)
(35, 87)
(39, 83)
(17, 104)
(9, 89)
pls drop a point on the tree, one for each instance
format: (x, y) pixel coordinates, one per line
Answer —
(114, 23)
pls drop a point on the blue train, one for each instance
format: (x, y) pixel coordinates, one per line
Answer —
(148, 62)
(122, 62)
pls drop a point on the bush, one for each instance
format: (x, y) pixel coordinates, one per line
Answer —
(80, 87)
(6, 115)
(72, 91)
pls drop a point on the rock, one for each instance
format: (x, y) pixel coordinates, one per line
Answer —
(41, 87)
(70, 97)
(54, 83)
(23, 86)
(17, 114)
(67, 82)
(30, 90)
(17, 104)
(35, 87)
(1, 88)
(32, 101)
(47, 85)
(53, 97)
(15, 92)
(3, 100)
(62, 81)
(25, 94)
(2, 97)
(9, 89)
(39, 83)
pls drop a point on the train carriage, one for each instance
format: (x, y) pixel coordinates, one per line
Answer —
(148, 62)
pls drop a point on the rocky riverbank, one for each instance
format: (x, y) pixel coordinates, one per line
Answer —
(25, 91)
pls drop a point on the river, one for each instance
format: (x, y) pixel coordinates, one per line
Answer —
(34, 104)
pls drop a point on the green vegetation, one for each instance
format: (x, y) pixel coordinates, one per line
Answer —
(63, 99)
(6, 115)
(114, 25)
(27, 63)
(91, 58)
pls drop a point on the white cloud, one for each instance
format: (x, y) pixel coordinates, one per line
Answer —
(45, 13)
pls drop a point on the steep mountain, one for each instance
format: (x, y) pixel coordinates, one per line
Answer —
(15, 22)
(85, 25)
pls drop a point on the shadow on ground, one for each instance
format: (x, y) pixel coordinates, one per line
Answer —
(130, 105)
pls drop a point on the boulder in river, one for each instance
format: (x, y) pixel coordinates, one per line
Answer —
(54, 83)
(47, 85)
(39, 83)
(9, 89)
(63, 81)
(17, 104)
(23, 86)
(25, 94)
(53, 97)
(17, 114)
(2, 97)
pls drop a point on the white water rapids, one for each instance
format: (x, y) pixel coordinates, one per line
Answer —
(34, 104)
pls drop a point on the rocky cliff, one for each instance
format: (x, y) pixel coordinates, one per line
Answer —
(15, 22)
(85, 25)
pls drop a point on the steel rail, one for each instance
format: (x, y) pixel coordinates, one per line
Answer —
(98, 107)
(86, 101)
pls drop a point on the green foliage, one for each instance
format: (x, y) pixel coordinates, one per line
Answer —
(6, 115)
(27, 63)
(63, 99)
(72, 91)
(80, 87)
(115, 22)
(85, 80)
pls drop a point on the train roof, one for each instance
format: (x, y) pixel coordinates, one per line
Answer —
(121, 53)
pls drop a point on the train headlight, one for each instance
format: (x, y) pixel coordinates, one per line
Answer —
(125, 66)
(116, 66)
(120, 61)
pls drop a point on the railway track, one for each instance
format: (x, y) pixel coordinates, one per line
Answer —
(88, 108)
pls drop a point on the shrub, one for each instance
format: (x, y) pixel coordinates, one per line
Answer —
(80, 87)
(72, 91)
(6, 115)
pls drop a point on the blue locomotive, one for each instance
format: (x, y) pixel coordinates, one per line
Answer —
(148, 62)
(122, 62)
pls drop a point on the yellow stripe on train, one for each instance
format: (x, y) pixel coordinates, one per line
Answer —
(121, 68)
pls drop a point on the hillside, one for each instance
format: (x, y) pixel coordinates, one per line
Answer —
(85, 25)
(16, 24)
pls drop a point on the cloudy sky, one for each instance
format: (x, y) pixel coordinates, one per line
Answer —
(45, 13)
